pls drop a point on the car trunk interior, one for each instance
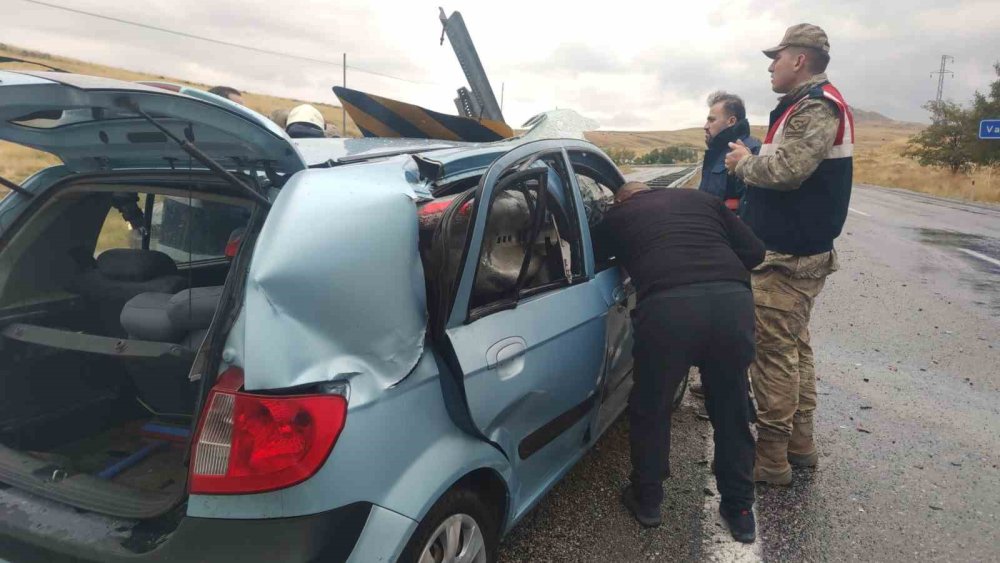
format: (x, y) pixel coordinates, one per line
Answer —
(107, 291)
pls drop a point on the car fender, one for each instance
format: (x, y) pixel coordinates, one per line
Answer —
(449, 460)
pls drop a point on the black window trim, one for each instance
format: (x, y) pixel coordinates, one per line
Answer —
(511, 302)
(602, 179)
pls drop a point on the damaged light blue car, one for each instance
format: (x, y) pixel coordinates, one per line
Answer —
(217, 343)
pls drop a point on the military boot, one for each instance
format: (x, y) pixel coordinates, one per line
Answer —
(771, 464)
(801, 448)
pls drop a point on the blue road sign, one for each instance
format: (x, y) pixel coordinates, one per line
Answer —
(989, 129)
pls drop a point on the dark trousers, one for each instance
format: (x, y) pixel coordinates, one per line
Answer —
(710, 325)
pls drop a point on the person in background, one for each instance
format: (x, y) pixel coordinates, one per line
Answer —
(231, 94)
(726, 123)
(690, 259)
(304, 122)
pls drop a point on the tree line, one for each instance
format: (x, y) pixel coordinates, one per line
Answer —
(666, 155)
(952, 139)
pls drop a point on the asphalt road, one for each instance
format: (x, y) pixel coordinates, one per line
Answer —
(647, 173)
(907, 341)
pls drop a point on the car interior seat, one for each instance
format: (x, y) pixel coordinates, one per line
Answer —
(121, 274)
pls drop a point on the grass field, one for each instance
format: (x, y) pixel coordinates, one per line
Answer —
(877, 157)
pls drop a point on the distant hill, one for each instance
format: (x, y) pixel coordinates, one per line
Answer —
(863, 116)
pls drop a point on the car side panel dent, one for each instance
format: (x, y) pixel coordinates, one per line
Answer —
(336, 287)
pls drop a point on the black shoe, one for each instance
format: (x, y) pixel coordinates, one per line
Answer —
(647, 516)
(741, 524)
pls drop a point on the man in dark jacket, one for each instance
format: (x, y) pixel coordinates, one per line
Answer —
(689, 258)
(726, 123)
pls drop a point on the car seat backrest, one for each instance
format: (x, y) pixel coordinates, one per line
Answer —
(165, 317)
(135, 265)
(193, 309)
(120, 275)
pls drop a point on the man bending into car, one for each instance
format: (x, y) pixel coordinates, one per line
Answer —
(689, 258)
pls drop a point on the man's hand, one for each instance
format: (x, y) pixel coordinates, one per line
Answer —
(738, 152)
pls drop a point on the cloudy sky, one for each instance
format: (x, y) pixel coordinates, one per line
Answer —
(628, 64)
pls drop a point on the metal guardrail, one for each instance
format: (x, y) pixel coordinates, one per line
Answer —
(672, 180)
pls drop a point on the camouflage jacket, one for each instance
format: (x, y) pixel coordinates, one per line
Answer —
(808, 138)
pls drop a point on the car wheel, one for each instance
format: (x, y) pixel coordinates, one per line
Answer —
(460, 528)
(679, 394)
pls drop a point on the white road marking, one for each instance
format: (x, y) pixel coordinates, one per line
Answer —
(858, 212)
(717, 543)
(975, 254)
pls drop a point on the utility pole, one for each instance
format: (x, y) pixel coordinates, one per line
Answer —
(343, 110)
(943, 71)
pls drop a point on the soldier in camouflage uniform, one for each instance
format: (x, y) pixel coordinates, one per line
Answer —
(796, 202)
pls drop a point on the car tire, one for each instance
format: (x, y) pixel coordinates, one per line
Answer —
(458, 509)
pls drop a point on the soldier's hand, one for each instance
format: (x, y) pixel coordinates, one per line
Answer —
(738, 152)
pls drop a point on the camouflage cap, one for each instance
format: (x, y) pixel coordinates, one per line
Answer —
(801, 35)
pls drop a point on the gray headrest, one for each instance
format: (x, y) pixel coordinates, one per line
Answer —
(193, 309)
(128, 264)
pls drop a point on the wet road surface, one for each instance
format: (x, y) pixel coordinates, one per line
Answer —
(647, 173)
(907, 342)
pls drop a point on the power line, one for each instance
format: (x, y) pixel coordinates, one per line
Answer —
(226, 43)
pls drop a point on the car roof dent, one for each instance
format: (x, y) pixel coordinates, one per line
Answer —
(336, 286)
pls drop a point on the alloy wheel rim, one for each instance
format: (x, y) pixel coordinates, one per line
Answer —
(457, 540)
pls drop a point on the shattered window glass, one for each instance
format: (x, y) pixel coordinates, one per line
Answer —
(596, 199)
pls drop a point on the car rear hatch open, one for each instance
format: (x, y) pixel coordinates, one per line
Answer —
(91, 124)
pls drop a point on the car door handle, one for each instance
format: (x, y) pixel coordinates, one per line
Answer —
(504, 350)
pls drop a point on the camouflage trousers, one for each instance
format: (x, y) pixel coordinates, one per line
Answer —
(783, 375)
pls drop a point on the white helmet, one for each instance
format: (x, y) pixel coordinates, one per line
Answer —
(306, 113)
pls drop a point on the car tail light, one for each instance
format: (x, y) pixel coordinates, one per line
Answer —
(247, 443)
(233, 244)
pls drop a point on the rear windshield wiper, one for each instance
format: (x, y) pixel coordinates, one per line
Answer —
(196, 153)
(15, 187)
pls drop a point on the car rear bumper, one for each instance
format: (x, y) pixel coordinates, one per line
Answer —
(356, 532)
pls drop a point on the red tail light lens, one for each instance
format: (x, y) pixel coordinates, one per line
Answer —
(250, 443)
(233, 244)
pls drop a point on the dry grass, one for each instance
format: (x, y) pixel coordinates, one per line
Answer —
(877, 159)
(17, 162)
(644, 141)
